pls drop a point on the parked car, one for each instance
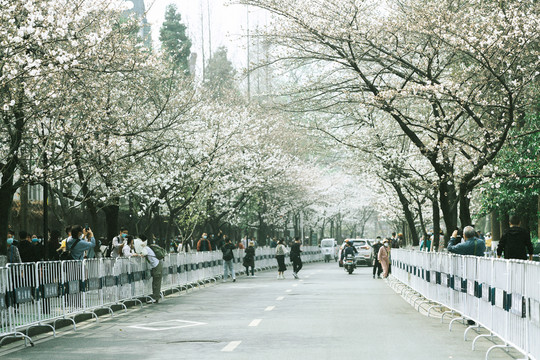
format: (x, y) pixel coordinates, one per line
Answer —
(365, 251)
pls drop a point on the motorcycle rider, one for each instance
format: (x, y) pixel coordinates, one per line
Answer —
(349, 249)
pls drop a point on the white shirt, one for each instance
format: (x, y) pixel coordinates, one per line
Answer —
(127, 251)
(151, 256)
(116, 241)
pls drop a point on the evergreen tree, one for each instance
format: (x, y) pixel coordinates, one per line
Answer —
(174, 41)
(219, 74)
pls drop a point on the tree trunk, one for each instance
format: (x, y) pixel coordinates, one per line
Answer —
(464, 209)
(505, 223)
(408, 214)
(495, 227)
(6, 201)
(538, 212)
(24, 207)
(448, 205)
(436, 224)
(111, 219)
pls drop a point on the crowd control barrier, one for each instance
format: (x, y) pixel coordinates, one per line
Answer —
(502, 296)
(43, 293)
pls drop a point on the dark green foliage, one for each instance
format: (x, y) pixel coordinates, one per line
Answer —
(219, 74)
(516, 184)
(174, 41)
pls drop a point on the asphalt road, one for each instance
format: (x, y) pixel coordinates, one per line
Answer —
(326, 314)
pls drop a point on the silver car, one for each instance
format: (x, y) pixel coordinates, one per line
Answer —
(365, 251)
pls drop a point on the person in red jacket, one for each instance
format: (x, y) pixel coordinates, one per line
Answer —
(204, 244)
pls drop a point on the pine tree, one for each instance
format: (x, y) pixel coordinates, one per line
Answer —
(220, 73)
(174, 41)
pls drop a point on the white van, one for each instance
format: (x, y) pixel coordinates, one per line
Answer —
(329, 249)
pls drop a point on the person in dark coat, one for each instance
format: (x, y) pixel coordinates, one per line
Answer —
(516, 242)
(249, 259)
(26, 249)
(295, 257)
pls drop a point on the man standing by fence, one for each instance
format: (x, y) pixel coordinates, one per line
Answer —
(515, 242)
(471, 246)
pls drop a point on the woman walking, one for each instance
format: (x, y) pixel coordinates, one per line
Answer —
(281, 250)
(249, 259)
(384, 258)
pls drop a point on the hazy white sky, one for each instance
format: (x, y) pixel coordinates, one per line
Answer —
(227, 23)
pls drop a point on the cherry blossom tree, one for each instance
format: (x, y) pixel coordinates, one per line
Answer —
(453, 77)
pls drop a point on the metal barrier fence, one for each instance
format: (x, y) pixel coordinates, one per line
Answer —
(41, 294)
(502, 296)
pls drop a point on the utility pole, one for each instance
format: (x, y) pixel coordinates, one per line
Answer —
(202, 41)
(209, 30)
(248, 58)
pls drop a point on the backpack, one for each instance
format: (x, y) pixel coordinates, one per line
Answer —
(228, 254)
(159, 251)
(66, 255)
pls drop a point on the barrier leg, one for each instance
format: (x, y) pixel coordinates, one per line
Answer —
(446, 312)
(17, 335)
(490, 335)
(434, 306)
(473, 327)
(505, 347)
(48, 325)
(452, 321)
(66, 318)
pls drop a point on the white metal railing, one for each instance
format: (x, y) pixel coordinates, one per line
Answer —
(500, 295)
(40, 294)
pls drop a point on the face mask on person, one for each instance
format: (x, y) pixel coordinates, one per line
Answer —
(34, 240)
(204, 237)
(10, 241)
(124, 235)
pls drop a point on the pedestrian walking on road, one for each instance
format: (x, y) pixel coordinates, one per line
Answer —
(296, 258)
(384, 258)
(249, 259)
(515, 242)
(376, 264)
(228, 256)
(281, 250)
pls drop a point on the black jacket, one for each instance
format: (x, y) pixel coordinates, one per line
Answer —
(515, 243)
(295, 250)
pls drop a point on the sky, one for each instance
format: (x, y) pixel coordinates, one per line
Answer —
(228, 25)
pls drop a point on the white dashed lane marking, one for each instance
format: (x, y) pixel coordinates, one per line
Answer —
(255, 322)
(270, 308)
(231, 346)
(280, 298)
(288, 290)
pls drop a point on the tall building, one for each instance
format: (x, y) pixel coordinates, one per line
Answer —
(139, 9)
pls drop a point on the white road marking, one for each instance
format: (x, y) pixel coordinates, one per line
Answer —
(166, 325)
(270, 308)
(231, 346)
(255, 322)
(295, 285)
(301, 280)
(288, 290)
(280, 298)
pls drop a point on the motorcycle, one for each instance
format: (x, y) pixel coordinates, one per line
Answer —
(349, 264)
